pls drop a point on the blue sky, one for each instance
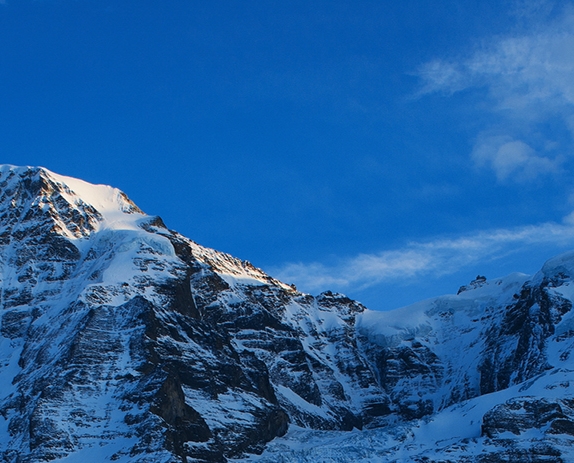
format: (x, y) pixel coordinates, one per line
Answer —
(388, 150)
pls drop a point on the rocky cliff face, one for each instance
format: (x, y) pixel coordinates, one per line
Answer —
(121, 340)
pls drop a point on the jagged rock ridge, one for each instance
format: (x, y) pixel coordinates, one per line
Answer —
(122, 340)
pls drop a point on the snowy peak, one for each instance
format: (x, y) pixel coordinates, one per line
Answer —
(116, 209)
(63, 205)
(34, 197)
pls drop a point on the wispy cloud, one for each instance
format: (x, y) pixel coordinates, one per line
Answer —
(508, 157)
(420, 259)
(529, 79)
(519, 71)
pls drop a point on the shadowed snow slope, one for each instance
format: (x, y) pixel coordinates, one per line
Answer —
(121, 340)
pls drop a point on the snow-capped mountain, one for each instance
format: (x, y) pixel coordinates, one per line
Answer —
(121, 340)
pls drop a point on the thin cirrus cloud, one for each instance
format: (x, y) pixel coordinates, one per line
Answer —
(529, 79)
(422, 259)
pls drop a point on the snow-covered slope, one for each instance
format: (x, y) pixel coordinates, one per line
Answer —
(121, 340)
(482, 376)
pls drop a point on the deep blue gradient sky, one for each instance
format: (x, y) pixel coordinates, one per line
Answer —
(388, 150)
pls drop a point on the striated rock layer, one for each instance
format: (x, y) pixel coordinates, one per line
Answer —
(121, 340)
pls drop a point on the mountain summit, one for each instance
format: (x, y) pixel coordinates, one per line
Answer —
(121, 340)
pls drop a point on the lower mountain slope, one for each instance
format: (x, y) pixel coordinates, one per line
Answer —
(121, 340)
